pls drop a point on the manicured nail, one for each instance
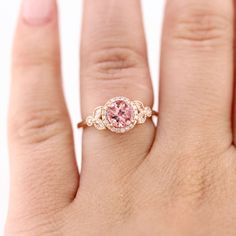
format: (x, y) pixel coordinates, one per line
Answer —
(37, 12)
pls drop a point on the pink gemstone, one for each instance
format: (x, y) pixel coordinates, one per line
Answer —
(120, 114)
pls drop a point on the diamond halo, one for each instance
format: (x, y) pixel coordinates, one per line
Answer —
(122, 111)
(118, 115)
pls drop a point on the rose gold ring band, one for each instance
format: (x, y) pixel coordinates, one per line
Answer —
(118, 115)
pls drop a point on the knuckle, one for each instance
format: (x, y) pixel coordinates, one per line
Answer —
(116, 70)
(38, 126)
(113, 63)
(194, 179)
(193, 175)
(192, 186)
(202, 27)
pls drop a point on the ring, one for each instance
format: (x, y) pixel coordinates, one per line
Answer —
(118, 115)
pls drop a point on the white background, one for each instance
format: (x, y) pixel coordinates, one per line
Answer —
(70, 18)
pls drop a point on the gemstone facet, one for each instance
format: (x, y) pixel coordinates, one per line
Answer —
(119, 114)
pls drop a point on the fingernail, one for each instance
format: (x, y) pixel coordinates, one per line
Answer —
(37, 12)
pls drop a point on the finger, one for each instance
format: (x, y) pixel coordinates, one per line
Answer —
(234, 105)
(43, 169)
(196, 75)
(113, 63)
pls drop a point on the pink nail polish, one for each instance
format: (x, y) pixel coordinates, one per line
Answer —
(37, 12)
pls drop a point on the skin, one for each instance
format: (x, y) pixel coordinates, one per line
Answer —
(179, 179)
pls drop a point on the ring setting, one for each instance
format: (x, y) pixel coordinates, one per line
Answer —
(118, 115)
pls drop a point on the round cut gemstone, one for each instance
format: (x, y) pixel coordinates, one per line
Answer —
(120, 114)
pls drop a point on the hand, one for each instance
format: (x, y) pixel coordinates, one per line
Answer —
(177, 180)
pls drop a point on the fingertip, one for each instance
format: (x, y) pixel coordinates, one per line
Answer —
(37, 36)
(37, 13)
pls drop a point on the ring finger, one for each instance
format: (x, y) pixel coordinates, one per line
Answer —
(113, 63)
